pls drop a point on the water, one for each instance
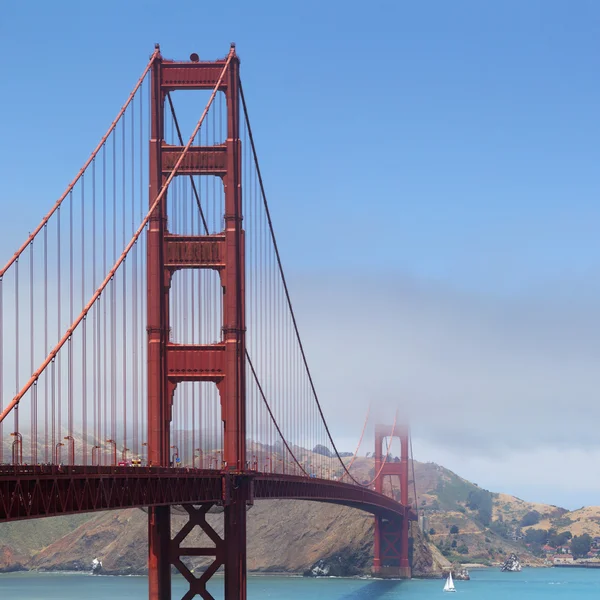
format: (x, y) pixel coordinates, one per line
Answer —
(488, 584)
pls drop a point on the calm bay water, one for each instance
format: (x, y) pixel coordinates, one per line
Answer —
(488, 584)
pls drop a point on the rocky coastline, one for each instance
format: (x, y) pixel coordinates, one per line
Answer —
(511, 564)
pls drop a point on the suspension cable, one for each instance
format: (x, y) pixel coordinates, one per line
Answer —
(271, 414)
(361, 438)
(254, 373)
(69, 189)
(387, 453)
(34, 377)
(412, 462)
(285, 287)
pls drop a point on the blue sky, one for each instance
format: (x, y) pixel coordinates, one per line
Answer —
(460, 137)
(450, 148)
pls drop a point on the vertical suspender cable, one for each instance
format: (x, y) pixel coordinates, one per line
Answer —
(1, 365)
(16, 414)
(113, 304)
(132, 280)
(105, 321)
(56, 425)
(84, 390)
(70, 342)
(46, 455)
(33, 415)
(310, 382)
(95, 344)
(124, 296)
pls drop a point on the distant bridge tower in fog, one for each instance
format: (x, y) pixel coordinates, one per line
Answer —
(390, 556)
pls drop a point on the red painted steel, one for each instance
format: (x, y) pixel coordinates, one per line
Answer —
(48, 491)
(322, 490)
(29, 492)
(184, 251)
(197, 517)
(159, 519)
(222, 363)
(199, 160)
(391, 533)
(15, 257)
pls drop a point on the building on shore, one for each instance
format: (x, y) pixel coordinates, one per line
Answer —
(563, 559)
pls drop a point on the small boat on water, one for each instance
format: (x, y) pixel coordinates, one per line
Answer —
(449, 586)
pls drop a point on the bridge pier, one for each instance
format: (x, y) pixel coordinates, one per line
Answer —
(228, 552)
(390, 555)
(159, 547)
(235, 543)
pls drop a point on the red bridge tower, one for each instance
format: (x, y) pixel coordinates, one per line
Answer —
(390, 556)
(222, 363)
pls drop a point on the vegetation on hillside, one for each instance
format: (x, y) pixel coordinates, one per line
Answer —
(581, 545)
(481, 500)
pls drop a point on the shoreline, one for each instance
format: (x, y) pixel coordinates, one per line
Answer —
(259, 574)
(579, 566)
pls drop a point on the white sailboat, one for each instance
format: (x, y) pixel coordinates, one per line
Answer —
(449, 587)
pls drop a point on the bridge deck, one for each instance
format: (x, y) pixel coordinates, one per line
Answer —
(29, 492)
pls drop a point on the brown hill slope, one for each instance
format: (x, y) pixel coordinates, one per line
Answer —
(283, 536)
(468, 523)
(580, 521)
(20, 541)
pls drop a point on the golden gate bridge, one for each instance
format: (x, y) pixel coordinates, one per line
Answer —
(150, 355)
